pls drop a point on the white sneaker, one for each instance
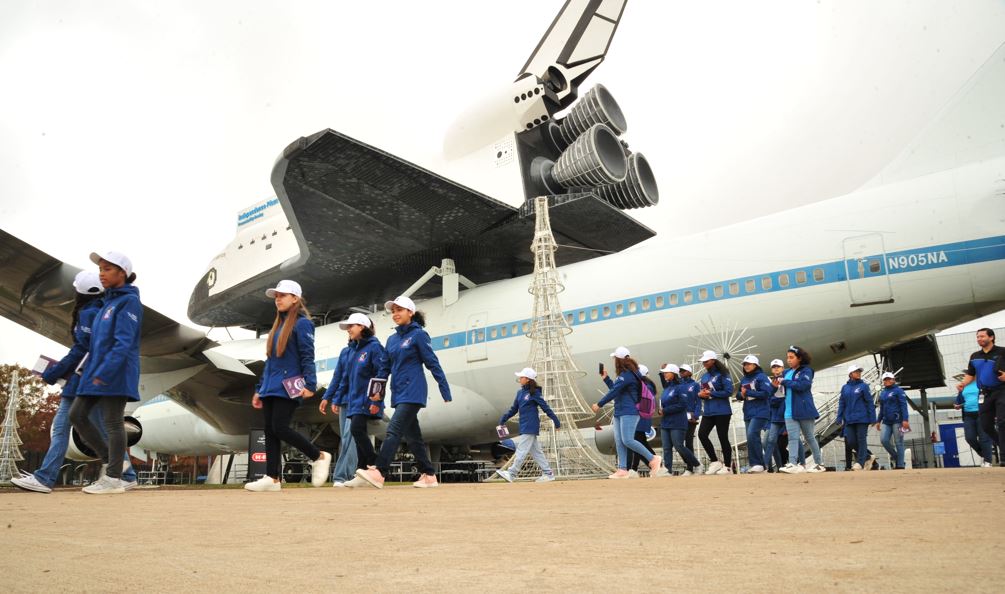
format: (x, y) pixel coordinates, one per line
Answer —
(338, 484)
(986, 464)
(320, 468)
(662, 472)
(545, 478)
(724, 470)
(632, 474)
(28, 482)
(688, 473)
(755, 469)
(856, 466)
(263, 484)
(817, 468)
(354, 482)
(106, 485)
(791, 468)
(128, 485)
(714, 467)
(868, 463)
(505, 474)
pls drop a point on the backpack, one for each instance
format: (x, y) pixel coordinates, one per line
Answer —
(647, 401)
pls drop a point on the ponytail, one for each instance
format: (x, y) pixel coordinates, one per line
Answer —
(78, 305)
(419, 318)
(131, 278)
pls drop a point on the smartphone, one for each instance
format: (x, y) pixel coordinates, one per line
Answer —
(600, 368)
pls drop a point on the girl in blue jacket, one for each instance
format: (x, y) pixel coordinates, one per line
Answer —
(409, 348)
(334, 398)
(974, 433)
(800, 412)
(892, 421)
(626, 393)
(690, 389)
(289, 375)
(88, 302)
(776, 408)
(673, 425)
(366, 360)
(716, 388)
(111, 370)
(755, 391)
(856, 412)
(529, 404)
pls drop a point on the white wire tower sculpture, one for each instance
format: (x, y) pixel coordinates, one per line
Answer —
(568, 453)
(10, 443)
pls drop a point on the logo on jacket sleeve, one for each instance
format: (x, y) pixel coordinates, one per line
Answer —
(132, 316)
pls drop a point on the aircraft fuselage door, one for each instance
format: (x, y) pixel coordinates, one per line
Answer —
(865, 269)
(476, 348)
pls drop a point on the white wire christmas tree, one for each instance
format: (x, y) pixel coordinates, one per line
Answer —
(10, 443)
(568, 453)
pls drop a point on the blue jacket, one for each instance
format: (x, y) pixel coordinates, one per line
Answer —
(892, 405)
(114, 357)
(298, 359)
(798, 395)
(527, 404)
(674, 403)
(81, 344)
(643, 425)
(625, 394)
(759, 391)
(777, 405)
(855, 404)
(690, 390)
(721, 389)
(408, 349)
(333, 394)
(968, 397)
(986, 366)
(367, 359)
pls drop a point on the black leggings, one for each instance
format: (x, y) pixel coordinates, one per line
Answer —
(633, 457)
(992, 419)
(277, 412)
(365, 456)
(721, 424)
(112, 409)
(689, 438)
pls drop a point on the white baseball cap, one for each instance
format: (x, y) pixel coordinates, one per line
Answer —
(117, 258)
(526, 372)
(285, 286)
(643, 370)
(854, 367)
(356, 318)
(621, 352)
(708, 356)
(670, 368)
(401, 301)
(776, 363)
(752, 359)
(87, 282)
(888, 375)
(685, 367)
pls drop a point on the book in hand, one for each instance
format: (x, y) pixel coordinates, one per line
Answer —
(376, 388)
(502, 431)
(294, 385)
(45, 364)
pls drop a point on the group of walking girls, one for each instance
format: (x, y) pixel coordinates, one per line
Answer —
(290, 375)
(101, 374)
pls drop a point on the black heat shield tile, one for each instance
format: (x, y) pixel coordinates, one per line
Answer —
(369, 224)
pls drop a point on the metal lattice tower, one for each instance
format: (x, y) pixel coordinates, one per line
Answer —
(10, 450)
(567, 451)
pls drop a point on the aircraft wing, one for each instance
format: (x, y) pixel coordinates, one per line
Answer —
(574, 45)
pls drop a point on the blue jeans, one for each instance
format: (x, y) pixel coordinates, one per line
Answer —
(404, 425)
(345, 466)
(674, 438)
(757, 454)
(975, 435)
(48, 472)
(771, 443)
(889, 434)
(857, 433)
(624, 439)
(804, 426)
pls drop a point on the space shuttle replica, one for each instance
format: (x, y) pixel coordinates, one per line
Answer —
(355, 224)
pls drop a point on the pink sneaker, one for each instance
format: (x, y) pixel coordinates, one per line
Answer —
(426, 481)
(372, 476)
(654, 465)
(620, 474)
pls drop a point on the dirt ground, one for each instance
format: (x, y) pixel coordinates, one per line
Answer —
(909, 531)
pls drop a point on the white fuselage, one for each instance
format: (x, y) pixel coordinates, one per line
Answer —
(840, 278)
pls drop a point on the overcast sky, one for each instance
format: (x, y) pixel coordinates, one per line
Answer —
(145, 126)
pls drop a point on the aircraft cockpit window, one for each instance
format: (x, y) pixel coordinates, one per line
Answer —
(818, 274)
